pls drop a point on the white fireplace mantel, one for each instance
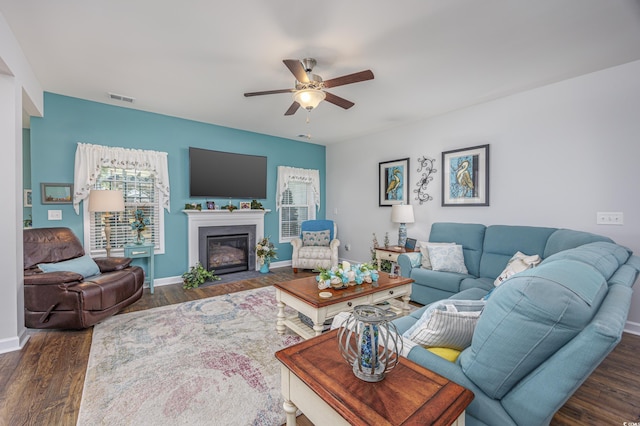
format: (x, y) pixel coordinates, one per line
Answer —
(202, 218)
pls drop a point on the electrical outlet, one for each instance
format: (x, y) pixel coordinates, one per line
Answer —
(347, 247)
(54, 214)
(610, 218)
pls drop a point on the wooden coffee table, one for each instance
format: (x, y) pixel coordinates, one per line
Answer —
(318, 381)
(303, 296)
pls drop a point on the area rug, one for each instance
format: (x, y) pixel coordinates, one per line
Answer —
(208, 361)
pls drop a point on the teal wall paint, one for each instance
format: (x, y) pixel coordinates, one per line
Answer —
(68, 121)
(26, 169)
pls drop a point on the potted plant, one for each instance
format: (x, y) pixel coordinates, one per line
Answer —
(265, 250)
(197, 275)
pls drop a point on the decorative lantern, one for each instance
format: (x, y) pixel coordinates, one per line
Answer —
(370, 342)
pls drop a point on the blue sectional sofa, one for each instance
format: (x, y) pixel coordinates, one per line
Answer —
(543, 331)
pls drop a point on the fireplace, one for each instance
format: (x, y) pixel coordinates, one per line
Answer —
(228, 253)
(227, 249)
(223, 222)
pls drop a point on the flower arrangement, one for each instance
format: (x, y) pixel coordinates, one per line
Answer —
(346, 274)
(265, 250)
(139, 224)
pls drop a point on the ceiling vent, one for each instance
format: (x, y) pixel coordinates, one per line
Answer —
(121, 98)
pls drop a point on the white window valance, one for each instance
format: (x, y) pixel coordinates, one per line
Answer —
(292, 174)
(91, 158)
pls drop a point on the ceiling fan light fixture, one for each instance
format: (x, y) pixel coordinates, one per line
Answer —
(309, 98)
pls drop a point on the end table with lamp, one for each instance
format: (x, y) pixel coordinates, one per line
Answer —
(143, 251)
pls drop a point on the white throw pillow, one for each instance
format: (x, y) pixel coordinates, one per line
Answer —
(426, 263)
(447, 324)
(519, 262)
(316, 238)
(447, 258)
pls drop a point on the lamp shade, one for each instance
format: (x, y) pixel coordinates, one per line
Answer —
(106, 200)
(402, 213)
(309, 98)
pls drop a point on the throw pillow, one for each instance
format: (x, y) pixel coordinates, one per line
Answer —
(83, 265)
(446, 353)
(519, 262)
(447, 258)
(316, 238)
(426, 263)
(448, 324)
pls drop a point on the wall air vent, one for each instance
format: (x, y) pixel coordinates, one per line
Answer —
(121, 98)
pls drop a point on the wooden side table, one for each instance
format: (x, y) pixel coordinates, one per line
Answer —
(318, 381)
(143, 251)
(391, 254)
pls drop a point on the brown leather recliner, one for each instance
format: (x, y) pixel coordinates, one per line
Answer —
(67, 300)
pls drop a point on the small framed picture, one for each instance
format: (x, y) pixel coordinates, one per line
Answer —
(27, 198)
(410, 245)
(56, 193)
(211, 205)
(245, 205)
(393, 182)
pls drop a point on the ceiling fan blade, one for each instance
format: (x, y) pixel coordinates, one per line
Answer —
(337, 100)
(269, 92)
(292, 109)
(296, 68)
(348, 79)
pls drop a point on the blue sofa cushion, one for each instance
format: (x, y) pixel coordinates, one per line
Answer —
(501, 242)
(527, 319)
(447, 281)
(469, 235)
(604, 256)
(565, 239)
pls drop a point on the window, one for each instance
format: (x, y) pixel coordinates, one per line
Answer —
(295, 209)
(139, 191)
(298, 196)
(143, 178)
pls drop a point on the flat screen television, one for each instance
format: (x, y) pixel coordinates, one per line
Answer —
(226, 174)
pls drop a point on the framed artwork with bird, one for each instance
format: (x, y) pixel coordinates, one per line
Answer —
(394, 182)
(465, 177)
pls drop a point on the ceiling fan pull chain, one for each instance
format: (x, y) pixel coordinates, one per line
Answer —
(308, 116)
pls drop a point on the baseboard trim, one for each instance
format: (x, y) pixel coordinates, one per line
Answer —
(632, 328)
(14, 343)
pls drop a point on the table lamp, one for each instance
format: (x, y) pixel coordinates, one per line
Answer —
(402, 214)
(107, 202)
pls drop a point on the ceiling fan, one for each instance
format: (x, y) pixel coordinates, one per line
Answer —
(309, 88)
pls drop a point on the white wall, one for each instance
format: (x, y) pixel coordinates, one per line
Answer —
(558, 155)
(18, 90)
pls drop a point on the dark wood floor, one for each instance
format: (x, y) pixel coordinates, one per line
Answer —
(42, 383)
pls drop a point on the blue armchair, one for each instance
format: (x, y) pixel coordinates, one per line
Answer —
(317, 246)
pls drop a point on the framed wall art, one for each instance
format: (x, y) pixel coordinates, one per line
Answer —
(56, 193)
(394, 182)
(27, 198)
(465, 177)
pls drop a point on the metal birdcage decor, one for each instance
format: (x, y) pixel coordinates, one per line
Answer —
(370, 342)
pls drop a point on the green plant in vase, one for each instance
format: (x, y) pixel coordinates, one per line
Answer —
(197, 276)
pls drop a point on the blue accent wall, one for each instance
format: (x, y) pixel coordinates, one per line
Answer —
(68, 121)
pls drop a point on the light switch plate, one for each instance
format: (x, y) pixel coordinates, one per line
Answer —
(610, 218)
(54, 214)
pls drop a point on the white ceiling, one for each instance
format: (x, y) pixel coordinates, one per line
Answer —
(195, 58)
